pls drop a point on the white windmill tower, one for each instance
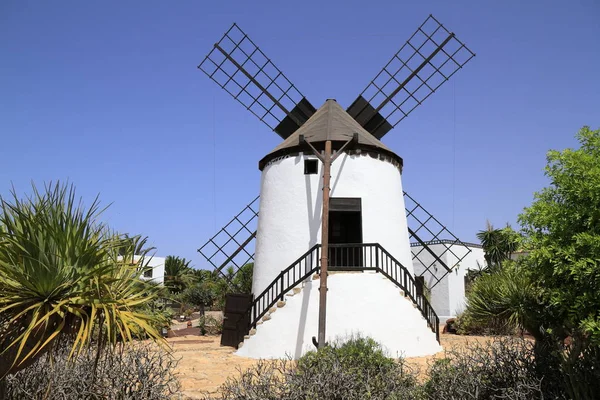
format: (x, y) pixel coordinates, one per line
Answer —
(332, 206)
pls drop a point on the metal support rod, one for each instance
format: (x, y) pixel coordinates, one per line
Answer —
(273, 99)
(324, 245)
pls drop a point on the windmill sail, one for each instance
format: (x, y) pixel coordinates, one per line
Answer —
(246, 73)
(427, 60)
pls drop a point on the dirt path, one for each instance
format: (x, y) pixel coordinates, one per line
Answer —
(204, 365)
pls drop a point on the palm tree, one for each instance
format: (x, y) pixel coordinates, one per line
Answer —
(65, 276)
(498, 244)
(178, 274)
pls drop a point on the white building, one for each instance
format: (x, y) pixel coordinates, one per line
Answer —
(157, 271)
(447, 289)
(366, 207)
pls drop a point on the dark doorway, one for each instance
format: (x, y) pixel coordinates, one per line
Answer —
(345, 228)
(236, 321)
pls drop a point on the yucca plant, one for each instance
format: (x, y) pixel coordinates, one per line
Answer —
(65, 276)
(504, 299)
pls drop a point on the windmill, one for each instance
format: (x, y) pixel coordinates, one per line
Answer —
(332, 201)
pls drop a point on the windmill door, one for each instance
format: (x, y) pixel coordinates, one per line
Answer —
(236, 321)
(345, 233)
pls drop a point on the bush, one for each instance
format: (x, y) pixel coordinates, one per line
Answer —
(513, 369)
(137, 371)
(506, 368)
(355, 370)
(502, 369)
(500, 303)
(210, 325)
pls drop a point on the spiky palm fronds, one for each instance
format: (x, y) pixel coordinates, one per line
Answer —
(178, 274)
(62, 273)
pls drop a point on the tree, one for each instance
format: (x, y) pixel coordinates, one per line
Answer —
(562, 227)
(200, 295)
(178, 274)
(498, 244)
(64, 276)
(243, 278)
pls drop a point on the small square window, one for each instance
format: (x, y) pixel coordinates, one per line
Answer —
(148, 273)
(310, 167)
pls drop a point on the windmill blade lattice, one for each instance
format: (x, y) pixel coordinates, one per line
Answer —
(425, 231)
(233, 246)
(246, 73)
(427, 60)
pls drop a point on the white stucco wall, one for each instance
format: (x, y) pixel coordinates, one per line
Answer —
(365, 303)
(448, 296)
(158, 268)
(289, 221)
(475, 260)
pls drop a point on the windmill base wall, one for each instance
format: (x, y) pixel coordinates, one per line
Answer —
(357, 303)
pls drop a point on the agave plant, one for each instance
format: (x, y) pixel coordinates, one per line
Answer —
(65, 276)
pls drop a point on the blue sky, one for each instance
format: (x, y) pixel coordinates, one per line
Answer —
(107, 95)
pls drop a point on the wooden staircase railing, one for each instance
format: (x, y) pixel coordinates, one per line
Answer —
(344, 257)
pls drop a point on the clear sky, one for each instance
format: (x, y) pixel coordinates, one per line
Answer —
(107, 95)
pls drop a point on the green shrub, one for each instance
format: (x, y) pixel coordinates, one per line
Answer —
(354, 370)
(506, 368)
(210, 325)
(500, 303)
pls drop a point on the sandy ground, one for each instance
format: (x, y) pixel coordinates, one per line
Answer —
(204, 365)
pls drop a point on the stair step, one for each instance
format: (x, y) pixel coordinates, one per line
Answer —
(252, 332)
(280, 303)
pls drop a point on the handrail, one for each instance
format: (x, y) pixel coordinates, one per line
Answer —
(277, 289)
(343, 257)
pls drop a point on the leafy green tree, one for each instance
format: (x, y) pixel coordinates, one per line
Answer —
(64, 276)
(562, 227)
(201, 296)
(178, 274)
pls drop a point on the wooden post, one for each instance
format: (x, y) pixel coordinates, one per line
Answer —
(324, 244)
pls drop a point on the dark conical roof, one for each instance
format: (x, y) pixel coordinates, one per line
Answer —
(330, 122)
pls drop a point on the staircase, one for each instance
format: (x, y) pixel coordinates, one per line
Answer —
(342, 257)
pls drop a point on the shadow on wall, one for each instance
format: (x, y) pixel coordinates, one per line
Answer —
(314, 210)
(302, 322)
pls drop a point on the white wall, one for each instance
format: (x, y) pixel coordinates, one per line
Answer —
(439, 292)
(289, 221)
(448, 296)
(365, 303)
(158, 268)
(473, 261)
